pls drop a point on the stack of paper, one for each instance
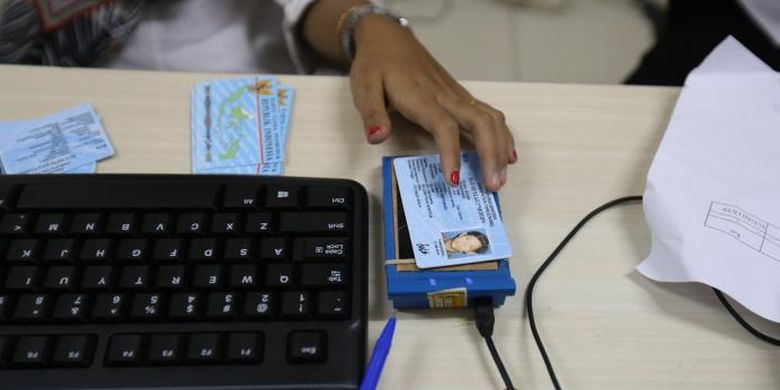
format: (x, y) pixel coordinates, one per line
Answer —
(713, 191)
(240, 126)
(70, 141)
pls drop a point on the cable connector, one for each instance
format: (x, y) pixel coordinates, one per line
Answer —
(483, 316)
(485, 319)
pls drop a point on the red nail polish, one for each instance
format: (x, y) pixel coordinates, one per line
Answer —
(514, 155)
(455, 177)
(374, 129)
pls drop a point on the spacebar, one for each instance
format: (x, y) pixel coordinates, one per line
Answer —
(113, 195)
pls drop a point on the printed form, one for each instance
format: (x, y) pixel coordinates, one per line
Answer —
(713, 191)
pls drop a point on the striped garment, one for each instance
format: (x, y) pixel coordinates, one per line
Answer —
(65, 32)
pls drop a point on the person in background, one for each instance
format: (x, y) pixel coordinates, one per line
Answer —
(691, 29)
(389, 69)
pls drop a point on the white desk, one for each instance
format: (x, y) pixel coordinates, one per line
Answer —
(605, 326)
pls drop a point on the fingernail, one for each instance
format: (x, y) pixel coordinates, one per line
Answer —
(455, 177)
(496, 181)
(374, 129)
(503, 175)
(514, 156)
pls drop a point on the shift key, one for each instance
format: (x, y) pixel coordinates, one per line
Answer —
(313, 222)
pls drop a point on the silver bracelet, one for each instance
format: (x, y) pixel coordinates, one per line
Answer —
(352, 17)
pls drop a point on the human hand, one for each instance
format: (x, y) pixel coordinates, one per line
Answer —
(393, 71)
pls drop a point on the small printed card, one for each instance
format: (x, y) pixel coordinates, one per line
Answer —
(449, 225)
(240, 126)
(70, 141)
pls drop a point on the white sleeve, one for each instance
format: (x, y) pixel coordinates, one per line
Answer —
(304, 58)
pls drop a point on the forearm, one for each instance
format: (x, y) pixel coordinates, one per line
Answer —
(320, 28)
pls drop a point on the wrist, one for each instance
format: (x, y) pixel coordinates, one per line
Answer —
(362, 25)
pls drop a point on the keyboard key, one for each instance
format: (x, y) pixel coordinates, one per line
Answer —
(6, 191)
(239, 249)
(191, 224)
(164, 349)
(185, 306)
(60, 250)
(224, 223)
(306, 347)
(131, 249)
(259, 305)
(168, 249)
(97, 277)
(332, 303)
(156, 224)
(32, 308)
(5, 351)
(221, 306)
(281, 196)
(259, 223)
(87, 224)
(314, 222)
(31, 351)
(121, 224)
(129, 194)
(324, 275)
(74, 351)
(15, 224)
(171, 276)
(327, 197)
(241, 196)
(50, 224)
(207, 276)
(279, 275)
(23, 250)
(96, 249)
(5, 308)
(71, 307)
(245, 348)
(295, 303)
(134, 277)
(60, 278)
(126, 349)
(243, 275)
(147, 306)
(108, 307)
(273, 248)
(21, 278)
(321, 248)
(204, 348)
(203, 249)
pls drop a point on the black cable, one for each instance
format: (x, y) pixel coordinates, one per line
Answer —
(530, 290)
(485, 319)
(741, 321)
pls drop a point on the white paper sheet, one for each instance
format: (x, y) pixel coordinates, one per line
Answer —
(713, 191)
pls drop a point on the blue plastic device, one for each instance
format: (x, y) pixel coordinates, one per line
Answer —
(423, 289)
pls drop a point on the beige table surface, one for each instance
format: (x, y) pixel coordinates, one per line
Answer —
(605, 326)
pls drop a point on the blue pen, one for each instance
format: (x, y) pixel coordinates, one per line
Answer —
(378, 357)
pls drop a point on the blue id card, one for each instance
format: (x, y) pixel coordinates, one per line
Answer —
(235, 123)
(70, 140)
(449, 225)
(286, 99)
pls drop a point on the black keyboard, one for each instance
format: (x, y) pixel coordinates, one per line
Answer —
(178, 281)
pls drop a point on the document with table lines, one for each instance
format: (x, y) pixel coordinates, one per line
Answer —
(713, 191)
